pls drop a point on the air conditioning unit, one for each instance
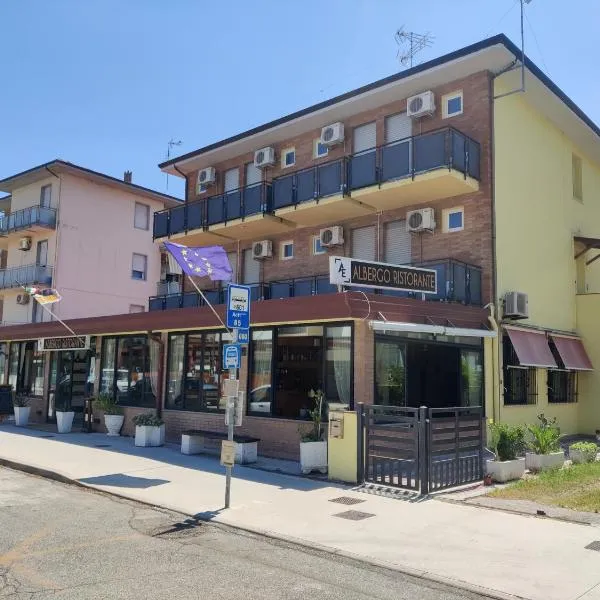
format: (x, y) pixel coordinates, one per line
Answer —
(264, 157)
(332, 134)
(25, 243)
(516, 305)
(420, 105)
(207, 176)
(262, 249)
(420, 220)
(23, 298)
(332, 236)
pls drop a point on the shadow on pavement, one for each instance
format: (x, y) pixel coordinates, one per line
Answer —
(124, 481)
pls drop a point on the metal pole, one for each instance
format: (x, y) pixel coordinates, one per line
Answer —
(231, 416)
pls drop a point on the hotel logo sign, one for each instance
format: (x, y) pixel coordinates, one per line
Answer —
(360, 273)
(80, 342)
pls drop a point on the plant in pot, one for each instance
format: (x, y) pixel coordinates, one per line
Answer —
(313, 448)
(113, 414)
(149, 430)
(506, 442)
(583, 452)
(545, 445)
(22, 409)
(64, 419)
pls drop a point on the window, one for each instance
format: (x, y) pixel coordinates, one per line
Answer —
(26, 368)
(562, 386)
(232, 180)
(42, 253)
(454, 220)
(577, 177)
(251, 267)
(37, 312)
(452, 104)
(194, 374)
(520, 383)
(260, 372)
(201, 188)
(319, 150)
(141, 219)
(129, 370)
(3, 360)
(288, 158)
(317, 248)
(136, 308)
(46, 196)
(363, 243)
(287, 250)
(398, 243)
(138, 266)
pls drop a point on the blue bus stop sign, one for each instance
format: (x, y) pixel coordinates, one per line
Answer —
(232, 354)
(238, 306)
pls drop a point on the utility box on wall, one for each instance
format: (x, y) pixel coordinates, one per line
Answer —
(342, 446)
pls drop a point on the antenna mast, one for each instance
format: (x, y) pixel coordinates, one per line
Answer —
(170, 145)
(416, 42)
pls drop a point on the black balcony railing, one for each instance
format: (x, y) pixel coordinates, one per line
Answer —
(406, 158)
(27, 218)
(26, 275)
(237, 204)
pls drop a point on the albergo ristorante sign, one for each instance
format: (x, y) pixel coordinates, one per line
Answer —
(80, 342)
(361, 273)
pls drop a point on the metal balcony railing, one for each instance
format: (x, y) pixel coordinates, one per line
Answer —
(166, 288)
(26, 275)
(27, 218)
(443, 148)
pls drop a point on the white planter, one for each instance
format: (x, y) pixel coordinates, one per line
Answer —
(113, 424)
(64, 421)
(22, 415)
(147, 435)
(505, 470)
(578, 457)
(539, 462)
(313, 457)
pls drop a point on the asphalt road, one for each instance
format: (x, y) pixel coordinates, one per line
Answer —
(59, 541)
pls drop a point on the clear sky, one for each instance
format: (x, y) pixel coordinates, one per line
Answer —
(107, 83)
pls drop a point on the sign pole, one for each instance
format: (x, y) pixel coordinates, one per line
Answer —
(230, 424)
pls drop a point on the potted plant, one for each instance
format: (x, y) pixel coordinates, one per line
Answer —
(545, 445)
(64, 419)
(506, 442)
(583, 452)
(313, 448)
(22, 409)
(149, 430)
(113, 414)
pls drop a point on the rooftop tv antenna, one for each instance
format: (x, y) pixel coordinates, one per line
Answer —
(416, 42)
(170, 145)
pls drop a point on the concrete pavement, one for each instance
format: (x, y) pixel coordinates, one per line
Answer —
(504, 554)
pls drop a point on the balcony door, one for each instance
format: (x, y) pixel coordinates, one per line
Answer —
(363, 165)
(396, 155)
(42, 254)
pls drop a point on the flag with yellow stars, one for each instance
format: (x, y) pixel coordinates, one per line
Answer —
(209, 261)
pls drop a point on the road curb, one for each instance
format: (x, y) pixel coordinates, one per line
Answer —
(390, 566)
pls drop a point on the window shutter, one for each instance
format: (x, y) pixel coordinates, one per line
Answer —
(253, 174)
(139, 263)
(397, 243)
(232, 180)
(174, 267)
(363, 243)
(397, 127)
(365, 137)
(142, 214)
(251, 268)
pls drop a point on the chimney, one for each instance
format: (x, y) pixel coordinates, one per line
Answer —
(127, 176)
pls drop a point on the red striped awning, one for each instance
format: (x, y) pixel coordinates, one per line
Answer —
(572, 353)
(532, 348)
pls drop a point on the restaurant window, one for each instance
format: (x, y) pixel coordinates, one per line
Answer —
(338, 366)
(126, 371)
(194, 374)
(520, 383)
(471, 370)
(3, 361)
(26, 369)
(260, 372)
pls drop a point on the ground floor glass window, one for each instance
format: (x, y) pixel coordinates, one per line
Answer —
(562, 386)
(26, 368)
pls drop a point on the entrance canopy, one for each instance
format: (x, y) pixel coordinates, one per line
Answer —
(433, 329)
(572, 353)
(532, 348)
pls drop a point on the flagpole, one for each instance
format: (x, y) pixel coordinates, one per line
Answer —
(208, 303)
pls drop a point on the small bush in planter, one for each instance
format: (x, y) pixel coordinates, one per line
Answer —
(545, 436)
(21, 401)
(108, 405)
(584, 451)
(315, 433)
(147, 420)
(506, 441)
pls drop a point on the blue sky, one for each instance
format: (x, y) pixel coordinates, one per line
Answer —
(107, 83)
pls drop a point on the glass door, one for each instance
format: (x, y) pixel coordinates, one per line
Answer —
(390, 373)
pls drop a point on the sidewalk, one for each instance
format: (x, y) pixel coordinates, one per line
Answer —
(503, 553)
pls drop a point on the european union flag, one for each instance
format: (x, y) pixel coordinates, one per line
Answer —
(210, 261)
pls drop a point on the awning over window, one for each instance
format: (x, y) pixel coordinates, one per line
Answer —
(532, 348)
(572, 353)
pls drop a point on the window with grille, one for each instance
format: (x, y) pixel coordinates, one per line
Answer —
(562, 386)
(520, 383)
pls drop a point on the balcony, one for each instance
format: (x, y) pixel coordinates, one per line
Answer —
(28, 275)
(167, 288)
(33, 218)
(244, 213)
(415, 170)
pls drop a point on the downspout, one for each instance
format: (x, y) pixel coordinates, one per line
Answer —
(57, 241)
(185, 199)
(496, 365)
(159, 371)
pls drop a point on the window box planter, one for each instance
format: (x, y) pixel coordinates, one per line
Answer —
(149, 435)
(113, 424)
(539, 462)
(22, 415)
(64, 421)
(313, 457)
(505, 470)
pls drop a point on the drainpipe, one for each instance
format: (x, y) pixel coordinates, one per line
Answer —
(160, 371)
(496, 396)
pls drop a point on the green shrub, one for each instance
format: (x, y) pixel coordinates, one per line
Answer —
(20, 401)
(545, 436)
(108, 405)
(506, 441)
(147, 420)
(588, 450)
